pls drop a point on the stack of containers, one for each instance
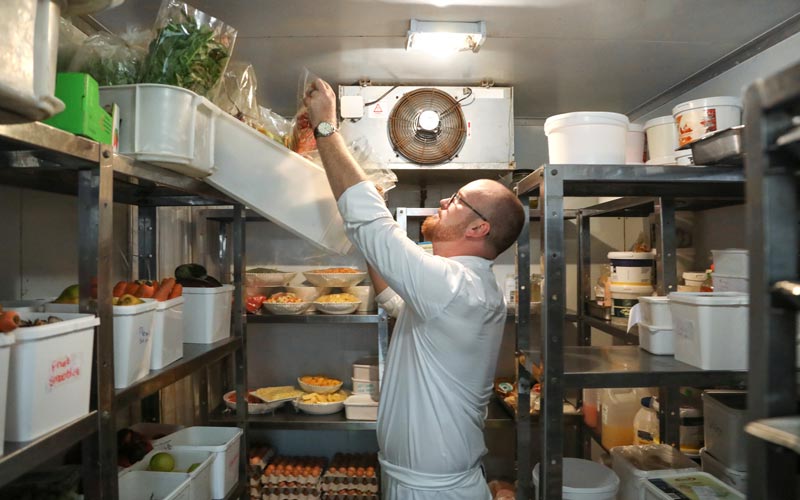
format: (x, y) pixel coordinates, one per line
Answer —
(655, 329)
(731, 270)
(207, 314)
(725, 454)
(633, 464)
(363, 404)
(631, 278)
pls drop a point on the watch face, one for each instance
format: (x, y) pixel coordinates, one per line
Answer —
(325, 129)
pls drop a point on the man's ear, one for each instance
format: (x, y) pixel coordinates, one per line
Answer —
(477, 230)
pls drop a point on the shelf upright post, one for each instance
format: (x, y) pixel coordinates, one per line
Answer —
(148, 262)
(95, 229)
(584, 276)
(667, 277)
(240, 330)
(523, 336)
(773, 242)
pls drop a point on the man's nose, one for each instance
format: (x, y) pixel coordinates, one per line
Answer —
(443, 203)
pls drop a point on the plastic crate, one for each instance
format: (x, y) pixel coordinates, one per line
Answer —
(145, 485)
(50, 368)
(731, 262)
(635, 463)
(725, 414)
(167, 333)
(207, 314)
(199, 478)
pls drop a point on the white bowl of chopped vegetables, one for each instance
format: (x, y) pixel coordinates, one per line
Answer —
(285, 303)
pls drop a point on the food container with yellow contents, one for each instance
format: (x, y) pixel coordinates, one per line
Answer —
(285, 303)
(319, 384)
(321, 404)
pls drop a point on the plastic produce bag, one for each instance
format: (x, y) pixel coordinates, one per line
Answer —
(236, 93)
(383, 178)
(111, 59)
(276, 127)
(302, 140)
(191, 49)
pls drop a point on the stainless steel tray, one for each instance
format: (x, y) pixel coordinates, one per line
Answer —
(723, 147)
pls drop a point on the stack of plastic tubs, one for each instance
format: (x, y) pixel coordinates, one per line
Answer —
(725, 454)
(655, 329)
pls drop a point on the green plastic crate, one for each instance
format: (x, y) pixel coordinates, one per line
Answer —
(83, 114)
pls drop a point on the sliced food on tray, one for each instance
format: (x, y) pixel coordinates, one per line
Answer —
(278, 393)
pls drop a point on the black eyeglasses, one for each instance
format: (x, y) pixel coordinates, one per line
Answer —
(460, 198)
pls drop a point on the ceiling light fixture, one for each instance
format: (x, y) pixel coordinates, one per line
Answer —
(446, 36)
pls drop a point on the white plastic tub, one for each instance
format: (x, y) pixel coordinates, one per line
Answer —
(687, 485)
(34, 305)
(143, 485)
(366, 369)
(584, 480)
(277, 183)
(634, 145)
(624, 297)
(199, 478)
(724, 283)
(725, 415)
(50, 368)
(28, 58)
(731, 262)
(710, 329)
(370, 387)
(694, 279)
(631, 268)
(587, 137)
(361, 407)
(223, 442)
(169, 126)
(731, 477)
(6, 341)
(662, 140)
(656, 340)
(207, 314)
(701, 116)
(634, 463)
(167, 333)
(655, 311)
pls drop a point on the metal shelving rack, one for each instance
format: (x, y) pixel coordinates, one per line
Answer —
(644, 189)
(40, 157)
(772, 143)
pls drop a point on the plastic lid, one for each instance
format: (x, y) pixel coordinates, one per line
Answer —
(643, 289)
(661, 120)
(585, 477)
(655, 300)
(635, 127)
(631, 255)
(189, 290)
(708, 102)
(711, 298)
(584, 118)
(694, 276)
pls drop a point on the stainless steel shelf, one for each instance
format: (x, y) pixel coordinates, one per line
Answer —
(644, 206)
(614, 329)
(49, 143)
(783, 431)
(313, 318)
(630, 366)
(195, 357)
(19, 458)
(448, 175)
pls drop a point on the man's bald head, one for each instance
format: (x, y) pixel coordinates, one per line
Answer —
(501, 207)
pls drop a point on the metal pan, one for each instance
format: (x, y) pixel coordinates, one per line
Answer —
(723, 147)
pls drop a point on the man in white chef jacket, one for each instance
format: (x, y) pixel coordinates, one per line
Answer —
(450, 317)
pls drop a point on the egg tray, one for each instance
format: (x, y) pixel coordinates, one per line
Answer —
(360, 484)
(345, 495)
(275, 481)
(290, 494)
(259, 457)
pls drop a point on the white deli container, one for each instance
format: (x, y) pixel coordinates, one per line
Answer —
(701, 116)
(631, 268)
(278, 183)
(694, 279)
(143, 485)
(167, 333)
(30, 46)
(207, 314)
(724, 283)
(683, 485)
(656, 339)
(655, 311)
(710, 329)
(169, 126)
(199, 478)
(735, 478)
(366, 369)
(50, 368)
(724, 418)
(587, 137)
(6, 340)
(624, 297)
(361, 386)
(634, 144)
(223, 442)
(584, 480)
(731, 262)
(662, 140)
(634, 463)
(360, 407)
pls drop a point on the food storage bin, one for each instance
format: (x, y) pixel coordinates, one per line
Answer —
(631, 268)
(584, 480)
(6, 341)
(634, 144)
(655, 311)
(662, 140)
(50, 367)
(624, 297)
(724, 283)
(223, 442)
(656, 339)
(155, 430)
(169, 126)
(710, 329)
(731, 477)
(725, 414)
(699, 117)
(370, 387)
(731, 262)
(139, 485)
(587, 138)
(207, 314)
(278, 183)
(167, 333)
(634, 463)
(686, 486)
(360, 407)
(28, 79)
(366, 368)
(199, 478)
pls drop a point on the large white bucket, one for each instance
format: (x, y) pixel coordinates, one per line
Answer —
(584, 480)
(587, 137)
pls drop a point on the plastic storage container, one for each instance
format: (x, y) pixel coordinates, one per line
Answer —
(50, 368)
(730, 283)
(207, 314)
(699, 117)
(635, 463)
(584, 480)
(366, 368)
(277, 183)
(223, 442)
(662, 140)
(28, 58)
(199, 478)
(587, 137)
(167, 333)
(366, 387)
(694, 279)
(634, 144)
(655, 311)
(725, 414)
(169, 126)
(731, 262)
(6, 341)
(687, 486)
(656, 339)
(29, 306)
(619, 407)
(735, 478)
(360, 407)
(624, 297)
(631, 268)
(142, 485)
(710, 329)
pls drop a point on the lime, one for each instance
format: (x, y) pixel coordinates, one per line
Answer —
(193, 467)
(162, 462)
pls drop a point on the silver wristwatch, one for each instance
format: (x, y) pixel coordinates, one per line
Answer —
(324, 129)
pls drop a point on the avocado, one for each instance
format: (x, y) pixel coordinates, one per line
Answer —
(190, 271)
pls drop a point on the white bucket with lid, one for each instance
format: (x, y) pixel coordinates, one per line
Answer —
(631, 268)
(634, 145)
(624, 297)
(699, 117)
(662, 140)
(584, 480)
(694, 279)
(587, 137)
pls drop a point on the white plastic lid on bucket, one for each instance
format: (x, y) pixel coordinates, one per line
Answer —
(708, 102)
(630, 256)
(630, 291)
(584, 480)
(584, 118)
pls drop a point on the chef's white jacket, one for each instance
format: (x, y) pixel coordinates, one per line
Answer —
(441, 361)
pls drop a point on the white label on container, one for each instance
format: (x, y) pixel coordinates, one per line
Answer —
(63, 370)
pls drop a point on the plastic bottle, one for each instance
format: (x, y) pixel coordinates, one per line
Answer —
(618, 410)
(646, 424)
(591, 407)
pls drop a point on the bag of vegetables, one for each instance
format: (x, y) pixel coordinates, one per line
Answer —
(191, 49)
(112, 59)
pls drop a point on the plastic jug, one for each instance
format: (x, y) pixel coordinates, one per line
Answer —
(619, 409)
(645, 424)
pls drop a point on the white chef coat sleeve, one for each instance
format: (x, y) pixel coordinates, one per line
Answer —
(425, 282)
(390, 302)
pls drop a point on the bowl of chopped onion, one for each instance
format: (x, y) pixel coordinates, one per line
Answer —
(285, 303)
(337, 303)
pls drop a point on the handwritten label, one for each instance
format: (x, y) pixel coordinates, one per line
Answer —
(144, 335)
(64, 369)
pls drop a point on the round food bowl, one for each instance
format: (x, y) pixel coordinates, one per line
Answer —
(252, 408)
(267, 279)
(337, 307)
(319, 408)
(286, 308)
(309, 293)
(340, 280)
(319, 389)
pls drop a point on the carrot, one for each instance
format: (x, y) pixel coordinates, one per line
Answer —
(9, 321)
(163, 291)
(119, 288)
(131, 288)
(177, 291)
(145, 291)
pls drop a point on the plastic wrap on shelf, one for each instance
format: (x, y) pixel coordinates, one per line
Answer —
(236, 94)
